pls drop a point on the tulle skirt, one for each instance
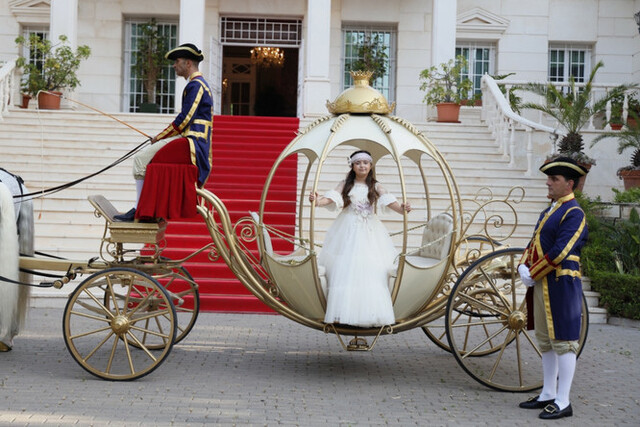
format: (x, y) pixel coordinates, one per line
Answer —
(357, 254)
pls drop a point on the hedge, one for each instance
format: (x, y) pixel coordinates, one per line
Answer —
(619, 293)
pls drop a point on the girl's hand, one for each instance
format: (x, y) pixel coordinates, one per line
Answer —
(406, 207)
(313, 196)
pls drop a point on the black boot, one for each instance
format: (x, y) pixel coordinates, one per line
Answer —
(126, 217)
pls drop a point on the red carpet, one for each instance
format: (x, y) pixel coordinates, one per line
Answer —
(244, 150)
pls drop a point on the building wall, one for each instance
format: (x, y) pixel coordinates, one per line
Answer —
(522, 48)
(607, 25)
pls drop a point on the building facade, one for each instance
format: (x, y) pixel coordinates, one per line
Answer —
(317, 39)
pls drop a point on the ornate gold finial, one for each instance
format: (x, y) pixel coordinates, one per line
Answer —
(360, 98)
(361, 78)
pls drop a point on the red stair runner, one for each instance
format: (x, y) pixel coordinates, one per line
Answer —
(244, 150)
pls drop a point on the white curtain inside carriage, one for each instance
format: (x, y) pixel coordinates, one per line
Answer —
(16, 237)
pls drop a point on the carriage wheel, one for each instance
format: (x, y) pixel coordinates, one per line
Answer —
(436, 330)
(184, 294)
(437, 333)
(186, 299)
(99, 336)
(486, 316)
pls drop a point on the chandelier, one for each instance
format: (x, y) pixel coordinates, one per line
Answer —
(264, 56)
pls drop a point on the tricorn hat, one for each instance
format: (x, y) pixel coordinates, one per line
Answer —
(564, 166)
(186, 50)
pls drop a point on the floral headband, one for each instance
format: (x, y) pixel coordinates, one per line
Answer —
(359, 156)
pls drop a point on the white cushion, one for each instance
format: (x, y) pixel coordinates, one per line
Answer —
(436, 238)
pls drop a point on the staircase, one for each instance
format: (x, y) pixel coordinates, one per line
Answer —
(244, 150)
(49, 148)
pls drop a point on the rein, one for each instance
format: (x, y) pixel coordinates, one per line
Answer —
(37, 194)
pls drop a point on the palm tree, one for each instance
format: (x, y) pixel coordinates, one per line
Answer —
(572, 110)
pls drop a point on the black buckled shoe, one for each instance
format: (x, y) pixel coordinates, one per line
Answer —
(126, 217)
(553, 412)
(534, 403)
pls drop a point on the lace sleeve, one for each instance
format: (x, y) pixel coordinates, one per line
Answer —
(336, 196)
(384, 199)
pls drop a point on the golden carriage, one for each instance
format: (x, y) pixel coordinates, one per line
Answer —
(454, 278)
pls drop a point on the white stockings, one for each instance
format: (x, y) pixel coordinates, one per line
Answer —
(139, 184)
(550, 375)
(566, 368)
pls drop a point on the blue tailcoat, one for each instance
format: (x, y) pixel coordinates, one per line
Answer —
(195, 123)
(553, 258)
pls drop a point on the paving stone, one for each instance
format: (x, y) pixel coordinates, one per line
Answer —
(242, 369)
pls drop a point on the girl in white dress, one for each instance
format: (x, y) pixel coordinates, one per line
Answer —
(357, 251)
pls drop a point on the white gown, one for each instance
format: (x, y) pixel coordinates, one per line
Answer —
(357, 253)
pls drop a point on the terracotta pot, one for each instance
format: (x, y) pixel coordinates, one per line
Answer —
(475, 103)
(583, 178)
(616, 126)
(448, 112)
(25, 100)
(631, 178)
(49, 101)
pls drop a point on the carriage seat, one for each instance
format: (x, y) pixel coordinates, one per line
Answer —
(127, 232)
(436, 243)
(296, 256)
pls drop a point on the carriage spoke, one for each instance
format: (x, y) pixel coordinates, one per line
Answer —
(492, 283)
(129, 358)
(112, 355)
(500, 354)
(73, 337)
(92, 352)
(482, 343)
(476, 303)
(142, 346)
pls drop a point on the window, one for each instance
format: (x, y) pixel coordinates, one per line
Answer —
(260, 31)
(354, 37)
(481, 59)
(569, 60)
(34, 56)
(134, 90)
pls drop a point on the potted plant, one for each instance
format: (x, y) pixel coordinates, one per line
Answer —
(55, 70)
(617, 105)
(633, 109)
(628, 137)
(150, 62)
(372, 56)
(572, 110)
(445, 88)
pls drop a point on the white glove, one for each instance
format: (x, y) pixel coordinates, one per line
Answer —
(525, 276)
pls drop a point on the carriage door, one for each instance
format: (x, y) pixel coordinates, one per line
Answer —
(238, 87)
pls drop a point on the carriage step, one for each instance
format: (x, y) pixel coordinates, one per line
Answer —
(127, 232)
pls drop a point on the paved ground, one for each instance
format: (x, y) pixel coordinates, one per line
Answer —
(267, 370)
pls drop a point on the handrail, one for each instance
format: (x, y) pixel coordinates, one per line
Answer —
(502, 121)
(7, 83)
(491, 85)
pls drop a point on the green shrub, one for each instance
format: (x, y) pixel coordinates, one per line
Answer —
(631, 195)
(611, 258)
(619, 293)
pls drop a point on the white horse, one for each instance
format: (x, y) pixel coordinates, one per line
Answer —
(16, 237)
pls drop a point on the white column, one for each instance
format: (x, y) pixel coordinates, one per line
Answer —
(191, 30)
(317, 88)
(443, 37)
(64, 20)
